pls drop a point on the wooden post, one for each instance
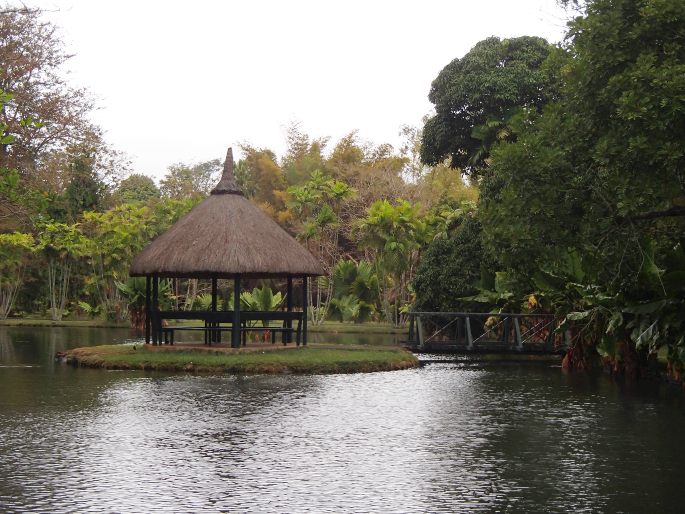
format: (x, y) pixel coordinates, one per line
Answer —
(419, 332)
(505, 331)
(469, 335)
(519, 340)
(213, 335)
(411, 330)
(235, 329)
(148, 321)
(289, 303)
(304, 310)
(549, 343)
(156, 336)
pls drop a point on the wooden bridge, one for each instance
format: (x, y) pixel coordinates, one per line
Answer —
(483, 332)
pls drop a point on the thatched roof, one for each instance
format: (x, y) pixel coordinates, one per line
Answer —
(223, 236)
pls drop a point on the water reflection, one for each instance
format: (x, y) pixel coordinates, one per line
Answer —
(444, 438)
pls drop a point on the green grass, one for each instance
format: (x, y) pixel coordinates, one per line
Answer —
(320, 359)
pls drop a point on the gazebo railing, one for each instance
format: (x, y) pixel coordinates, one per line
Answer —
(213, 321)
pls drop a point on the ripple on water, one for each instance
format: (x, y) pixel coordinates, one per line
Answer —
(443, 438)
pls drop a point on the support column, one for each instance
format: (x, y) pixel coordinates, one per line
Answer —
(411, 330)
(156, 336)
(505, 331)
(469, 335)
(519, 339)
(235, 329)
(148, 321)
(289, 303)
(214, 334)
(305, 300)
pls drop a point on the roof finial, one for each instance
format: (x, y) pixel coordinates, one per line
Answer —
(227, 184)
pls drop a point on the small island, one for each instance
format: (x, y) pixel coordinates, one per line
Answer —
(260, 359)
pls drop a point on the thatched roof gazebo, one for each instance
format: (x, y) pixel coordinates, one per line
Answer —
(223, 237)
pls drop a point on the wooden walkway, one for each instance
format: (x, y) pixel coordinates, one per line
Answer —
(468, 332)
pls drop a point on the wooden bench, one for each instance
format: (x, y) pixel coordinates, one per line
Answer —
(212, 324)
(168, 332)
(286, 333)
(286, 329)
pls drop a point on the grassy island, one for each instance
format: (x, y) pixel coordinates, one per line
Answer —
(258, 359)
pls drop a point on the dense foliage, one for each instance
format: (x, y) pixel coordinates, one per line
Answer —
(52, 157)
(584, 208)
(72, 216)
(451, 269)
(478, 97)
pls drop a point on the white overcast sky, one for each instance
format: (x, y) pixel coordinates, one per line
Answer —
(180, 81)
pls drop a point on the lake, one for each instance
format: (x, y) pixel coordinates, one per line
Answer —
(447, 437)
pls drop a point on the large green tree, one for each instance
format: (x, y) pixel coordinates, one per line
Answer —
(603, 168)
(317, 205)
(451, 269)
(601, 175)
(394, 234)
(113, 238)
(32, 57)
(47, 121)
(136, 188)
(478, 97)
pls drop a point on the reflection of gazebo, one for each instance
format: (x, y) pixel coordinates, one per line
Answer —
(224, 237)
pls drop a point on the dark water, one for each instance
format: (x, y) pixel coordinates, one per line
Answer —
(443, 438)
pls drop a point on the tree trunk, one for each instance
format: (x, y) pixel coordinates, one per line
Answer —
(58, 287)
(8, 294)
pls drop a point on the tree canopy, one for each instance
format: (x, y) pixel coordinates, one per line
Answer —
(477, 96)
(584, 209)
(602, 169)
(196, 181)
(49, 141)
(136, 188)
(45, 112)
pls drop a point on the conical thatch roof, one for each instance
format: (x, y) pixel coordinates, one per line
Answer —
(223, 236)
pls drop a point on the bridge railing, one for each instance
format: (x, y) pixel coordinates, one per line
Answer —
(469, 331)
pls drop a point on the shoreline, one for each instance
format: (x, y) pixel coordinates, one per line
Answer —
(257, 359)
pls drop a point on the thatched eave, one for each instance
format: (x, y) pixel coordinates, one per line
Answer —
(224, 236)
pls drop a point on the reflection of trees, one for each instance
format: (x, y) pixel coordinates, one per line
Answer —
(6, 348)
(174, 439)
(37, 346)
(513, 439)
(460, 425)
(32, 377)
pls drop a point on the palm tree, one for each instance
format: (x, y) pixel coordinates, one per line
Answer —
(355, 290)
(318, 203)
(391, 231)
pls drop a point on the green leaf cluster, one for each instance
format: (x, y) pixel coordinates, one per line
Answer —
(478, 96)
(355, 291)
